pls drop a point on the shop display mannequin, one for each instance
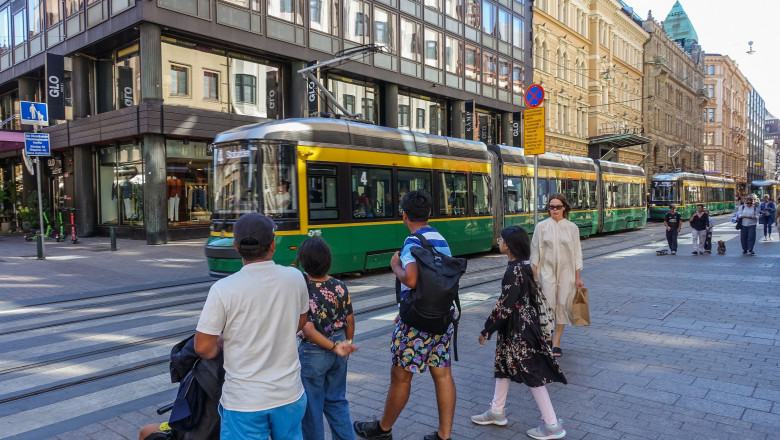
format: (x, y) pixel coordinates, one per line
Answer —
(174, 188)
(126, 190)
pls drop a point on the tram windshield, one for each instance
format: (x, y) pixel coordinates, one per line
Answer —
(255, 177)
(665, 192)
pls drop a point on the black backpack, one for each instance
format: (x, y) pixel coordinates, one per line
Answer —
(429, 306)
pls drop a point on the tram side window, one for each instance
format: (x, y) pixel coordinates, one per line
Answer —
(372, 193)
(480, 190)
(513, 187)
(609, 195)
(412, 181)
(635, 195)
(542, 195)
(280, 189)
(571, 189)
(527, 194)
(322, 193)
(452, 194)
(591, 193)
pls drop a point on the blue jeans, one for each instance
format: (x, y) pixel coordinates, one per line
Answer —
(768, 221)
(324, 376)
(282, 423)
(747, 237)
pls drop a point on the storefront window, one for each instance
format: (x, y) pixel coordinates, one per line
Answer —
(255, 88)
(356, 96)
(121, 185)
(419, 113)
(186, 183)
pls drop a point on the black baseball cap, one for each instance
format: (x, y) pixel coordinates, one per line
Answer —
(253, 230)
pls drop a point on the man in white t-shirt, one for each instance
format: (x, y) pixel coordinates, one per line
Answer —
(254, 315)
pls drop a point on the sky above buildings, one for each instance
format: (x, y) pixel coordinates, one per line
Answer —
(726, 27)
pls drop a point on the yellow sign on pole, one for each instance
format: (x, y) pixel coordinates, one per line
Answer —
(533, 131)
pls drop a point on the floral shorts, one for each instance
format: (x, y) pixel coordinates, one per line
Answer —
(414, 350)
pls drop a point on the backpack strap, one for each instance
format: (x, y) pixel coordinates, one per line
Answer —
(455, 329)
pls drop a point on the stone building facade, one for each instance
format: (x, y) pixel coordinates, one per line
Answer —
(588, 57)
(674, 78)
(725, 119)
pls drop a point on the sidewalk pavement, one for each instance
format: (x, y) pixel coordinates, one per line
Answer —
(679, 347)
(90, 266)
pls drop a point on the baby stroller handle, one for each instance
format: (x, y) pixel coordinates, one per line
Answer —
(164, 409)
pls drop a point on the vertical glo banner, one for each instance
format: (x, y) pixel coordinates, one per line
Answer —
(517, 133)
(272, 102)
(313, 94)
(55, 86)
(124, 86)
(469, 120)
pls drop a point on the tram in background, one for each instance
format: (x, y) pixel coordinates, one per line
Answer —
(762, 187)
(344, 181)
(686, 190)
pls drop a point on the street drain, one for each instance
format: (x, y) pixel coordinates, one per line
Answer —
(645, 309)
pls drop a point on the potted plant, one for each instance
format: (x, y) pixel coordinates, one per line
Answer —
(29, 218)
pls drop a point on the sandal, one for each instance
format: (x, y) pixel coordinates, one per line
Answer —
(557, 352)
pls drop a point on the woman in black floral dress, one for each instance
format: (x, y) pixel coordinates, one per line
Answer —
(523, 354)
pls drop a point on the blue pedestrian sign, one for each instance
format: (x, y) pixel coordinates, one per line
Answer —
(34, 113)
(534, 95)
(37, 144)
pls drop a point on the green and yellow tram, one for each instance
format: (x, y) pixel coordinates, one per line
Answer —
(344, 181)
(686, 190)
(764, 187)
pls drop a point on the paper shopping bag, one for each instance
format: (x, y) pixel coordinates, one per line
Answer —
(580, 308)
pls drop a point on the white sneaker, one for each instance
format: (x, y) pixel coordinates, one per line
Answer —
(490, 417)
(546, 432)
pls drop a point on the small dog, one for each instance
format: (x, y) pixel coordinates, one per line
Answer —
(721, 247)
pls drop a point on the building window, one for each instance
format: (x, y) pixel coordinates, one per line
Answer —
(403, 116)
(20, 27)
(319, 15)
(355, 22)
(179, 78)
(432, 41)
(488, 17)
(384, 27)
(453, 55)
(246, 88)
(349, 104)
(53, 12)
(710, 115)
(517, 32)
(473, 62)
(504, 25)
(210, 85)
(410, 40)
(472, 13)
(420, 119)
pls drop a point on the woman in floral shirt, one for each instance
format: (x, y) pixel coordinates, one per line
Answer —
(523, 355)
(325, 346)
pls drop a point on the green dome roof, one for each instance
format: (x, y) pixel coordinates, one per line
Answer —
(679, 27)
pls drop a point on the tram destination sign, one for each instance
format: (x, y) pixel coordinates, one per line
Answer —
(533, 131)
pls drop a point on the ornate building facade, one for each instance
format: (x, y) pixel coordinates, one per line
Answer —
(725, 118)
(588, 57)
(674, 77)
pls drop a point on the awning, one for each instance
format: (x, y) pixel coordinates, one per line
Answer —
(11, 140)
(619, 140)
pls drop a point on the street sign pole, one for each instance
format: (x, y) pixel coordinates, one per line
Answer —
(41, 245)
(533, 135)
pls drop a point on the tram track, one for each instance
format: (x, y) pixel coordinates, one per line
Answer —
(473, 279)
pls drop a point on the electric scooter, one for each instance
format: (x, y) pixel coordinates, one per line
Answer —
(34, 235)
(73, 237)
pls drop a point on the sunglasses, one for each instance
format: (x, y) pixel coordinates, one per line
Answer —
(555, 207)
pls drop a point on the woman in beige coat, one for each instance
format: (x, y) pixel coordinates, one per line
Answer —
(556, 258)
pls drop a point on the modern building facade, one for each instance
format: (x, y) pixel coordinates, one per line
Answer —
(725, 119)
(674, 76)
(588, 57)
(147, 86)
(756, 118)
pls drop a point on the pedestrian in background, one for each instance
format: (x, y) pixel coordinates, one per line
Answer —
(325, 346)
(699, 224)
(415, 350)
(777, 220)
(767, 212)
(257, 311)
(556, 256)
(673, 224)
(710, 225)
(523, 355)
(747, 235)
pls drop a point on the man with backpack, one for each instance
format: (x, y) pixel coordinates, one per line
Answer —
(427, 273)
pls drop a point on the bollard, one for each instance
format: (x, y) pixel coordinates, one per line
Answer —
(112, 234)
(39, 242)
